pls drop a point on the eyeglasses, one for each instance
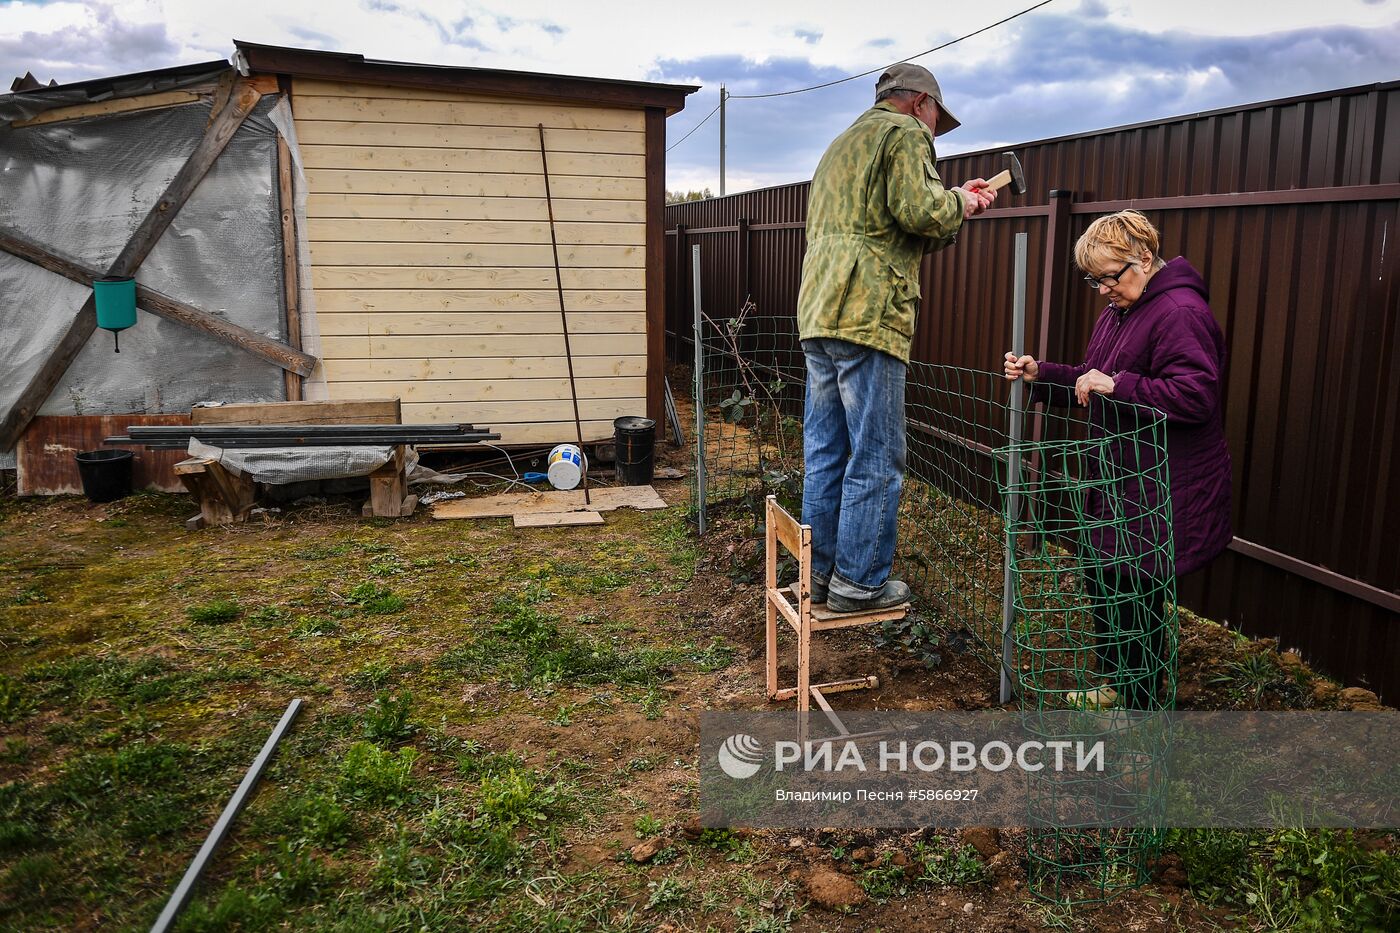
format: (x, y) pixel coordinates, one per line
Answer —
(1108, 281)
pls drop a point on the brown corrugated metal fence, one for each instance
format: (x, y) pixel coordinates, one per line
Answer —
(1291, 210)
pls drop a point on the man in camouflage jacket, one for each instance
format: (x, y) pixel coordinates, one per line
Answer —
(876, 206)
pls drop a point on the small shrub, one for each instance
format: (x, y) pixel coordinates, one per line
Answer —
(519, 797)
(388, 719)
(218, 612)
(647, 826)
(371, 775)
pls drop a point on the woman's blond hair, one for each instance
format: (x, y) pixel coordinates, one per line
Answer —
(1121, 236)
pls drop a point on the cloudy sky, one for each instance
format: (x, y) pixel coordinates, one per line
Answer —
(1071, 66)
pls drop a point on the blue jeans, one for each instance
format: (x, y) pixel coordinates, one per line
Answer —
(854, 445)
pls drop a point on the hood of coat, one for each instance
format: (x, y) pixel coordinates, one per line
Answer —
(1179, 273)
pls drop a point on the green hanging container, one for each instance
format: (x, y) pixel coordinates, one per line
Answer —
(116, 305)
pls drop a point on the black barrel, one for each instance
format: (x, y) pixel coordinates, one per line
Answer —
(106, 474)
(635, 439)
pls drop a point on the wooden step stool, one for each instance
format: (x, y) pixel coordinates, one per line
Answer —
(794, 603)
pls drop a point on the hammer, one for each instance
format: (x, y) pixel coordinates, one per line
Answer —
(1011, 175)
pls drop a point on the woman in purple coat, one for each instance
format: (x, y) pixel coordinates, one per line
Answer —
(1157, 345)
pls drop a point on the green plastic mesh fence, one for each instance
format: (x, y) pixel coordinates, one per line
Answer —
(1083, 494)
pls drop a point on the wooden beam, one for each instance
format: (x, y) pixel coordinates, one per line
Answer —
(154, 302)
(84, 323)
(655, 263)
(110, 107)
(291, 296)
(274, 351)
(357, 411)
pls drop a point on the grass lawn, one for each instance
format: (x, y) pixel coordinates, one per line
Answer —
(494, 719)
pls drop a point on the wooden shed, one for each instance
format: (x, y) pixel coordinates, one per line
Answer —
(338, 229)
(428, 252)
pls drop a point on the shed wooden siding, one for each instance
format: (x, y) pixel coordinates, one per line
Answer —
(431, 260)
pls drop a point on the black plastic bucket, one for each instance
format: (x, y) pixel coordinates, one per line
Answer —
(635, 439)
(106, 474)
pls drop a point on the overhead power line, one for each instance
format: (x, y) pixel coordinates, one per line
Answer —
(694, 128)
(863, 74)
(936, 48)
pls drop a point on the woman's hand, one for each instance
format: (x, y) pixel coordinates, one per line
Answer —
(1021, 367)
(1092, 381)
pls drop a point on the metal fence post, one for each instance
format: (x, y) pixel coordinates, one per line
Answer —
(1013, 467)
(699, 390)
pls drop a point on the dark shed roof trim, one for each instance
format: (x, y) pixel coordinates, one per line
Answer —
(345, 66)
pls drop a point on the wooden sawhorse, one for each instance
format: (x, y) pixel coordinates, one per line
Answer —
(794, 603)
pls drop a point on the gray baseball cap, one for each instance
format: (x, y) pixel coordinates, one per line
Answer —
(906, 76)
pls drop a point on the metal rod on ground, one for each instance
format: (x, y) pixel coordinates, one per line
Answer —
(185, 888)
(563, 315)
(699, 390)
(1013, 468)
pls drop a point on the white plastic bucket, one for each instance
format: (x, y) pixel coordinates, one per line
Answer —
(566, 466)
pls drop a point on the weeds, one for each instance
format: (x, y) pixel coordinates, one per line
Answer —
(647, 826)
(388, 720)
(368, 774)
(15, 701)
(943, 866)
(370, 676)
(315, 819)
(218, 612)
(375, 599)
(668, 895)
(528, 646)
(313, 627)
(1318, 879)
(519, 797)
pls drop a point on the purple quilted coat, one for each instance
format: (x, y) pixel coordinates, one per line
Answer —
(1165, 352)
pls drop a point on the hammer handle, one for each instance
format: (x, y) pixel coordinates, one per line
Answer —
(999, 180)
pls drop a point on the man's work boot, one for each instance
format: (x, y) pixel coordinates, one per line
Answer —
(893, 593)
(820, 588)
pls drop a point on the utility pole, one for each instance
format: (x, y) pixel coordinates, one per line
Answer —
(723, 96)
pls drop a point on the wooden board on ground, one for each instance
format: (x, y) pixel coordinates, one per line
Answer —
(507, 504)
(555, 519)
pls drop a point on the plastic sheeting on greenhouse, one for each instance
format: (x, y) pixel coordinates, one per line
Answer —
(80, 188)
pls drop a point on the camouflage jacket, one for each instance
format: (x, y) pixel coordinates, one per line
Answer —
(876, 206)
